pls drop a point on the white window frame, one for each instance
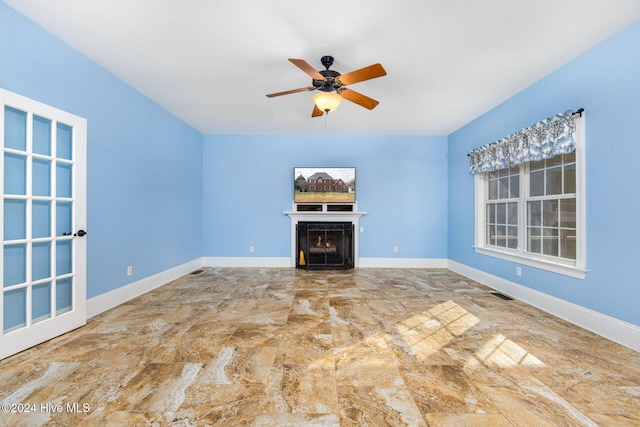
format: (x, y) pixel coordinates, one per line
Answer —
(566, 267)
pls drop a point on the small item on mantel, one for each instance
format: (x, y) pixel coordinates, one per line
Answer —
(302, 261)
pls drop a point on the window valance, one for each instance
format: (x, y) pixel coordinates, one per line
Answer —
(547, 138)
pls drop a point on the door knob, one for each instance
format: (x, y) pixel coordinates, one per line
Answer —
(80, 233)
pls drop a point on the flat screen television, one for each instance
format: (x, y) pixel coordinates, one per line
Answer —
(324, 185)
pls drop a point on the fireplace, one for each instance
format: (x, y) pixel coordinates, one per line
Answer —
(346, 219)
(324, 245)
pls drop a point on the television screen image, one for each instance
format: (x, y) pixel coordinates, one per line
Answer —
(324, 185)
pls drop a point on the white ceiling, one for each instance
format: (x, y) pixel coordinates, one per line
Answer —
(212, 62)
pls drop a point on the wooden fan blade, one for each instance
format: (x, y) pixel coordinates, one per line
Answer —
(304, 66)
(287, 92)
(316, 111)
(366, 73)
(358, 98)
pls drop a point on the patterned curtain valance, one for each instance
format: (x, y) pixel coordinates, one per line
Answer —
(543, 140)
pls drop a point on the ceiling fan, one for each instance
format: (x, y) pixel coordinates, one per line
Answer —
(332, 85)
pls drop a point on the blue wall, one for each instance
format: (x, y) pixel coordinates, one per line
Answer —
(144, 165)
(401, 184)
(158, 196)
(606, 82)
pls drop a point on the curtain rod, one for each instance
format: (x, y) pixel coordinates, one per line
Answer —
(580, 111)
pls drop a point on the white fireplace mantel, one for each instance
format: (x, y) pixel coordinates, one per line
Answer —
(326, 216)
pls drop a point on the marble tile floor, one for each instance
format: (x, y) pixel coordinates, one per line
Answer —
(285, 347)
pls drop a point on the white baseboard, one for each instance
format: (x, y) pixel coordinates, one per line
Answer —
(273, 262)
(402, 263)
(104, 302)
(609, 327)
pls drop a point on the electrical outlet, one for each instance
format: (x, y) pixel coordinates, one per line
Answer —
(395, 249)
(251, 249)
(518, 271)
(130, 270)
(362, 229)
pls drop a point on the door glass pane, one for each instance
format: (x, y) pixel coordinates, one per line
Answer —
(15, 174)
(41, 302)
(41, 219)
(15, 264)
(63, 180)
(41, 177)
(41, 262)
(15, 214)
(15, 129)
(63, 257)
(63, 141)
(64, 298)
(63, 218)
(41, 135)
(15, 309)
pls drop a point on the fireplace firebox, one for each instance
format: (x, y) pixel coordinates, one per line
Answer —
(324, 245)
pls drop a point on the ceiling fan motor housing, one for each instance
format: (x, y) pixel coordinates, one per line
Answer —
(330, 83)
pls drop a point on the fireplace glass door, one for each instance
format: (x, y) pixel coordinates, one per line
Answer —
(325, 245)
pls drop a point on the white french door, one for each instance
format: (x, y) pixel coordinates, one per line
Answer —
(43, 218)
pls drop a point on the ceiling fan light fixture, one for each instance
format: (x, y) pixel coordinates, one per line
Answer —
(327, 101)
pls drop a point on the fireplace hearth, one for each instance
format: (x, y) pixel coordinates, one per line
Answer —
(324, 245)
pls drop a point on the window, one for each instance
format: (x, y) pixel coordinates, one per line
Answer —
(533, 213)
(551, 207)
(501, 208)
